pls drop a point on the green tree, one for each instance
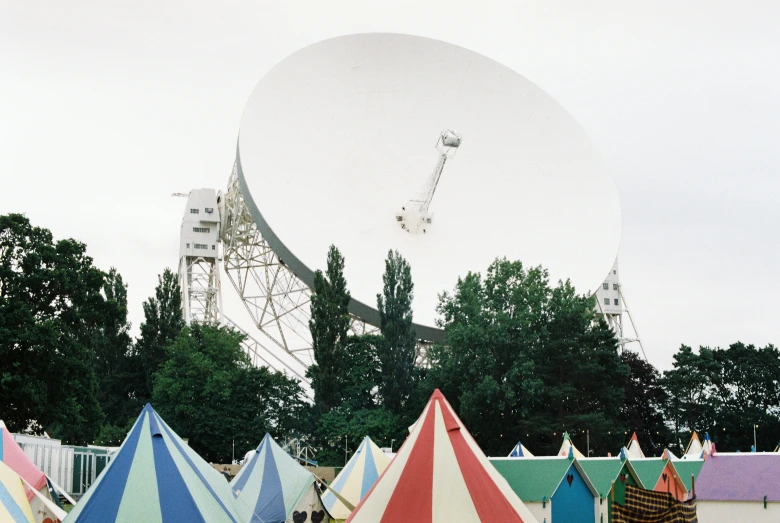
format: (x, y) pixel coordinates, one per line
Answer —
(329, 325)
(688, 386)
(397, 349)
(112, 348)
(342, 430)
(745, 391)
(208, 391)
(50, 306)
(643, 404)
(535, 357)
(163, 321)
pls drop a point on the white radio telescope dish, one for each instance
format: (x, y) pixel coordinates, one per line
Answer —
(339, 136)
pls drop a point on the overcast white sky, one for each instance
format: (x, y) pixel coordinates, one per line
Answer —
(107, 107)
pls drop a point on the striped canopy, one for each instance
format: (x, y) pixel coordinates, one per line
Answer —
(633, 449)
(36, 485)
(520, 451)
(440, 475)
(695, 449)
(156, 478)
(271, 488)
(567, 447)
(356, 479)
(14, 506)
(12, 455)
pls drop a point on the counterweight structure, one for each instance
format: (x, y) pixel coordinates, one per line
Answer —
(199, 255)
(611, 303)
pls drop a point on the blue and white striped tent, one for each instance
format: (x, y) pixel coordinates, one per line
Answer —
(520, 451)
(272, 487)
(356, 478)
(156, 478)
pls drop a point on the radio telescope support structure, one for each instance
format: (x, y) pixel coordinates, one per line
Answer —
(275, 298)
(612, 305)
(199, 255)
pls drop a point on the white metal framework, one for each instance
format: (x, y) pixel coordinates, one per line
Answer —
(275, 298)
(612, 305)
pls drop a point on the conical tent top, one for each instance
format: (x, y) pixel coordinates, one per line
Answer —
(441, 475)
(519, 451)
(695, 450)
(567, 445)
(157, 478)
(355, 479)
(272, 486)
(634, 450)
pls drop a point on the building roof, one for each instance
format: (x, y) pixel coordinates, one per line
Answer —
(649, 470)
(602, 472)
(686, 468)
(532, 479)
(739, 477)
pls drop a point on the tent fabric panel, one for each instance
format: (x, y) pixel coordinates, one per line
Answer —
(348, 486)
(238, 484)
(12, 455)
(14, 506)
(207, 486)
(250, 486)
(269, 505)
(451, 497)
(178, 503)
(370, 472)
(372, 506)
(101, 502)
(310, 503)
(294, 478)
(346, 472)
(490, 502)
(199, 497)
(412, 497)
(144, 504)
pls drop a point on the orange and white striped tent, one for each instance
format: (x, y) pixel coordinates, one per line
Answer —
(440, 475)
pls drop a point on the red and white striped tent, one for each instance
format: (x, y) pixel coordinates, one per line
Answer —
(440, 475)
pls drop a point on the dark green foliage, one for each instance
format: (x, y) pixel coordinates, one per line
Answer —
(208, 391)
(397, 349)
(329, 325)
(114, 362)
(725, 392)
(532, 356)
(50, 308)
(379, 423)
(643, 405)
(163, 321)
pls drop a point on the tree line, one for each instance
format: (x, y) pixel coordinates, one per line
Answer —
(523, 359)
